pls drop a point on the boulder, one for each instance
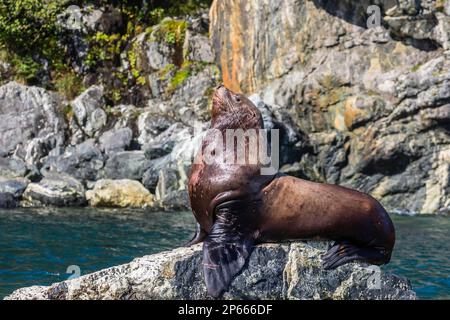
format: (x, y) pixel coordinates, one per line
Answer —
(84, 161)
(190, 99)
(274, 271)
(153, 51)
(76, 24)
(119, 193)
(167, 176)
(12, 168)
(171, 190)
(15, 187)
(126, 165)
(197, 48)
(7, 200)
(150, 125)
(88, 110)
(115, 140)
(55, 190)
(31, 121)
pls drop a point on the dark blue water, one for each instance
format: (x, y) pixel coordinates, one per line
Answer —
(37, 246)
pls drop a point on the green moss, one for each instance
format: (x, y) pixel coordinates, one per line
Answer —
(68, 112)
(172, 31)
(166, 71)
(135, 72)
(179, 77)
(116, 95)
(416, 67)
(69, 85)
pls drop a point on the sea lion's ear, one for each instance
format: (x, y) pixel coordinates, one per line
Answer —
(225, 250)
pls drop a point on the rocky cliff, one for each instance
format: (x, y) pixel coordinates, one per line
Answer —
(274, 271)
(359, 89)
(366, 89)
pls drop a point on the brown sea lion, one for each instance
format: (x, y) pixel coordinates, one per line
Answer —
(236, 206)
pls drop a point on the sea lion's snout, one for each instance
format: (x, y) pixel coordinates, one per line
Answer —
(221, 92)
(219, 101)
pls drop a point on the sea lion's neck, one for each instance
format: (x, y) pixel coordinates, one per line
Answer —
(237, 120)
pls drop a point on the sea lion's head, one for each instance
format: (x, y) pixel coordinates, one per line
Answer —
(235, 109)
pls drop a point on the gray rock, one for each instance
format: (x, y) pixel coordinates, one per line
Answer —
(126, 165)
(15, 187)
(55, 190)
(151, 175)
(190, 99)
(88, 110)
(7, 200)
(151, 125)
(156, 150)
(171, 190)
(163, 143)
(197, 48)
(167, 176)
(78, 23)
(153, 52)
(12, 168)
(199, 23)
(275, 271)
(31, 121)
(115, 140)
(83, 161)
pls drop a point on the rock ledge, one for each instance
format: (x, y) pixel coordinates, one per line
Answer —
(290, 270)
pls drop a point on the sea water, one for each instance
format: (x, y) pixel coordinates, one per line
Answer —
(43, 246)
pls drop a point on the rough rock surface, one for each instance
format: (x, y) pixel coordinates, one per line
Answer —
(7, 200)
(12, 168)
(56, 190)
(30, 124)
(360, 101)
(15, 187)
(82, 161)
(88, 110)
(275, 271)
(369, 101)
(119, 193)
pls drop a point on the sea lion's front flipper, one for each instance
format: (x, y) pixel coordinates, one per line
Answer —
(225, 249)
(198, 237)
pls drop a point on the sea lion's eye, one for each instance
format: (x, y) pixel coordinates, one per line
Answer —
(237, 98)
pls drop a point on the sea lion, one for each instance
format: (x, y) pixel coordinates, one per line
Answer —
(236, 206)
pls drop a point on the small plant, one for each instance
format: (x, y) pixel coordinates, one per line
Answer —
(26, 69)
(69, 84)
(104, 48)
(171, 38)
(173, 31)
(29, 32)
(68, 112)
(180, 76)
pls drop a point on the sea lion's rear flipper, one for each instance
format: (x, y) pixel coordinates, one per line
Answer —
(198, 237)
(344, 252)
(226, 248)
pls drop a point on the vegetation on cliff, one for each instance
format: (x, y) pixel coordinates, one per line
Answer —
(35, 43)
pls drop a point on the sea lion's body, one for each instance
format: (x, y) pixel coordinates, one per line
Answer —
(235, 207)
(294, 208)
